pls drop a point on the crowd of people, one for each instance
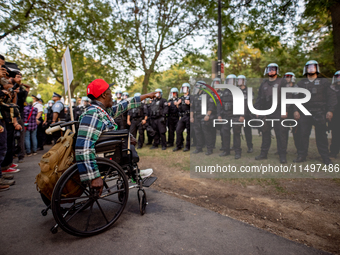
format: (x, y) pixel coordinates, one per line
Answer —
(24, 118)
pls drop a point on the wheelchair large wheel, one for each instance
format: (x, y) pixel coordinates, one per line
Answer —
(79, 210)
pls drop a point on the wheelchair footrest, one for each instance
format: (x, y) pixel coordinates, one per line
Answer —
(147, 182)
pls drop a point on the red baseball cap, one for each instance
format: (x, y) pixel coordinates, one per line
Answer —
(98, 87)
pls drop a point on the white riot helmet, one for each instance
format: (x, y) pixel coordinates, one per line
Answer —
(290, 76)
(336, 78)
(216, 81)
(271, 67)
(159, 93)
(241, 80)
(173, 93)
(311, 67)
(230, 80)
(185, 88)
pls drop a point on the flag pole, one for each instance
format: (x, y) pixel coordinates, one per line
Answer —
(69, 94)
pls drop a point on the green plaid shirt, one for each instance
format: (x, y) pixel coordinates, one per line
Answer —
(92, 123)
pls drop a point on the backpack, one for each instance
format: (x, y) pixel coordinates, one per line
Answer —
(54, 163)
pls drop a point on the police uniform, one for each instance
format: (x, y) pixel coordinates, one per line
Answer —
(173, 118)
(323, 100)
(158, 112)
(58, 107)
(335, 124)
(136, 117)
(121, 120)
(264, 102)
(203, 129)
(184, 123)
(247, 129)
(225, 111)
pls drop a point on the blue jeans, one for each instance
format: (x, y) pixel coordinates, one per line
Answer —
(31, 136)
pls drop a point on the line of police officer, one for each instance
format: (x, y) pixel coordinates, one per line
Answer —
(322, 105)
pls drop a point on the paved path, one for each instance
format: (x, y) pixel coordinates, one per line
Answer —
(170, 226)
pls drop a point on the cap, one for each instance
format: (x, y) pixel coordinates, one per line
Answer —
(97, 87)
(56, 95)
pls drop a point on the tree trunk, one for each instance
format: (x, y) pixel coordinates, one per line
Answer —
(146, 82)
(335, 13)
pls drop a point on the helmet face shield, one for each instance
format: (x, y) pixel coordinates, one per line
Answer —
(230, 81)
(272, 70)
(336, 78)
(158, 94)
(172, 95)
(184, 89)
(240, 82)
(312, 69)
(118, 94)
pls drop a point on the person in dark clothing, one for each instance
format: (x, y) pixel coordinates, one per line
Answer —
(48, 120)
(335, 125)
(264, 101)
(321, 105)
(136, 119)
(173, 116)
(58, 114)
(183, 105)
(202, 124)
(158, 112)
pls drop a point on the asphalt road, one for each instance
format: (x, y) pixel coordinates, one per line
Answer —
(170, 226)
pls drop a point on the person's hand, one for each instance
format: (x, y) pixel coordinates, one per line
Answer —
(296, 115)
(241, 119)
(169, 103)
(284, 116)
(206, 118)
(179, 101)
(129, 122)
(329, 116)
(18, 127)
(17, 90)
(3, 72)
(97, 184)
(1, 129)
(38, 122)
(187, 101)
(192, 120)
(152, 94)
(143, 122)
(219, 118)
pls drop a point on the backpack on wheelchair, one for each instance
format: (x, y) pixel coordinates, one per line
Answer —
(87, 212)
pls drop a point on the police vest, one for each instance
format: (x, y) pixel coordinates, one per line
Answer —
(183, 107)
(318, 89)
(155, 108)
(137, 112)
(227, 102)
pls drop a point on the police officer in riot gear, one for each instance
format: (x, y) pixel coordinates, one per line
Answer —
(158, 112)
(120, 120)
(136, 119)
(290, 81)
(58, 113)
(173, 116)
(183, 105)
(264, 102)
(321, 106)
(335, 126)
(149, 133)
(218, 127)
(225, 111)
(242, 84)
(202, 123)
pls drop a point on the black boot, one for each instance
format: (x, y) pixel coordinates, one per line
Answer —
(299, 159)
(261, 156)
(177, 149)
(224, 153)
(283, 159)
(250, 150)
(237, 156)
(186, 149)
(209, 152)
(197, 151)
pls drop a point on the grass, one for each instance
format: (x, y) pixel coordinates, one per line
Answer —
(186, 161)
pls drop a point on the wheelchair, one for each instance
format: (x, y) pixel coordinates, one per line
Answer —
(77, 208)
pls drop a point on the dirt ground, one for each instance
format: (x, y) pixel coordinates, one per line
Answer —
(303, 210)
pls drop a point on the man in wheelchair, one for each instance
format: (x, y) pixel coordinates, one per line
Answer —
(98, 118)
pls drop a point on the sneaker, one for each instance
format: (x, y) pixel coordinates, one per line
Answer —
(4, 187)
(8, 176)
(14, 165)
(11, 170)
(6, 182)
(145, 173)
(29, 154)
(20, 160)
(34, 153)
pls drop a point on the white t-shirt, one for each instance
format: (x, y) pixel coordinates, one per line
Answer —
(38, 106)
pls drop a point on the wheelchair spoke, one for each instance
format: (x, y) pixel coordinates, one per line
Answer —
(82, 186)
(108, 171)
(102, 211)
(88, 218)
(113, 192)
(79, 209)
(73, 198)
(106, 199)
